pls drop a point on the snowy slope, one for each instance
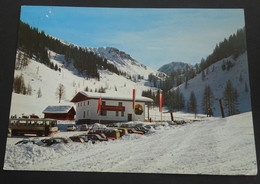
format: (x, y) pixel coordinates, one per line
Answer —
(212, 146)
(47, 80)
(217, 78)
(174, 66)
(124, 62)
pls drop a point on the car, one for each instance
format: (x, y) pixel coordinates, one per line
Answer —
(78, 138)
(94, 138)
(110, 133)
(84, 127)
(123, 131)
(27, 141)
(55, 140)
(133, 131)
(71, 127)
(141, 129)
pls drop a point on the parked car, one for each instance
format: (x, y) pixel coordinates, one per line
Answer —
(71, 127)
(9, 132)
(94, 138)
(84, 127)
(141, 129)
(55, 140)
(27, 141)
(110, 133)
(123, 131)
(133, 131)
(78, 138)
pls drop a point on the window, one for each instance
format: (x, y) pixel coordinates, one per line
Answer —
(88, 113)
(120, 103)
(117, 113)
(122, 113)
(84, 114)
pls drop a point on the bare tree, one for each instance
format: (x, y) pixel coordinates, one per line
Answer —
(39, 93)
(60, 93)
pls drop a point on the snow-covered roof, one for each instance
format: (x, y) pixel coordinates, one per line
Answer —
(111, 96)
(57, 109)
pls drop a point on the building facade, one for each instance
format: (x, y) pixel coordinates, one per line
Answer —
(113, 108)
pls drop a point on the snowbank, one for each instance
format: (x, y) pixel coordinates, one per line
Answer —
(210, 146)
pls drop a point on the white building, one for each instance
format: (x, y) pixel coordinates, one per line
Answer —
(114, 107)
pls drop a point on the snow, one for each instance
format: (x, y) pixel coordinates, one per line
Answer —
(216, 79)
(47, 80)
(211, 146)
(57, 109)
(205, 145)
(124, 62)
(115, 96)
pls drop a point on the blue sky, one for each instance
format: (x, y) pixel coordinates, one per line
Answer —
(151, 36)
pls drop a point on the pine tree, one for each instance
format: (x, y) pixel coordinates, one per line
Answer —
(193, 103)
(19, 85)
(208, 98)
(230, 98)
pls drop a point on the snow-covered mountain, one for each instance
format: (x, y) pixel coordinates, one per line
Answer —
(216, 78)
(40, 77)
(123, 61)
(174, 66)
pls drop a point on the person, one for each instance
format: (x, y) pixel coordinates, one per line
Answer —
(209, 112)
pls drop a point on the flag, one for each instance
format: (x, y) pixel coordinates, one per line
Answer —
(99, 104)
(133, 98)
(160, 101)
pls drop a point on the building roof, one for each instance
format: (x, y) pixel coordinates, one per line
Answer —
(57, 109)
(83, 95)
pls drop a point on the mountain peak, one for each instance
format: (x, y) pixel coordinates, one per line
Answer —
(123, 61)
(174, 66)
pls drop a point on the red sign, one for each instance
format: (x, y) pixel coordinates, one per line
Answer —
(112, 108)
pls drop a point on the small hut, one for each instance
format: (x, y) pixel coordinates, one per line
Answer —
(64, 112)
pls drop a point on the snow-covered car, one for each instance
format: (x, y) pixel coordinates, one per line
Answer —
(84, 127)
(110, 133)
(71, 127)
(133, 131)
(94, 138)
(141, 129)
(78, 138)
(28, 141)
(55, 140)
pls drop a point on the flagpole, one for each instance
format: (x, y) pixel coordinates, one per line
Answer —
(99, 108)
(134, 92)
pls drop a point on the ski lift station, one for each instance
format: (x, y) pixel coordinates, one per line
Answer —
(108, 108)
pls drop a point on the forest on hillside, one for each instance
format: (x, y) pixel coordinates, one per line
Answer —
(35, 44)
(234, 46)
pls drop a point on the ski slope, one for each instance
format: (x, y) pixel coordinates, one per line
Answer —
(39, 76)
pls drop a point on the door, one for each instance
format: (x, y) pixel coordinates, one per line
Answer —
(129, 117)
